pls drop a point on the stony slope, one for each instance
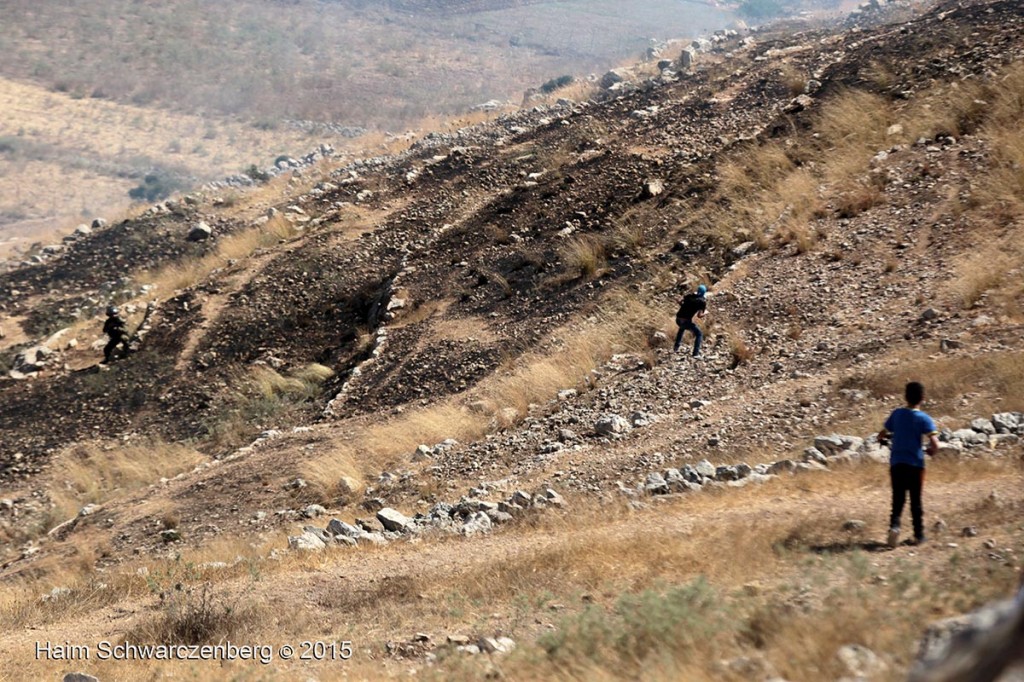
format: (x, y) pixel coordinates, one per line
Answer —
(425, 279)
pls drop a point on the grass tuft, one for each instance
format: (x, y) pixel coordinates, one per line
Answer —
(194, 615)
(264, 398)
(94, 474)
(585, 257)
(681, 623)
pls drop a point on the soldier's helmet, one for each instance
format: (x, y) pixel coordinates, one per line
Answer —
(112, 310)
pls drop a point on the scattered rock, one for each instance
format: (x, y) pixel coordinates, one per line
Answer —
(551, 497)
(783, 465)
(798, 104)
(706, 469)
(422, 453)
(652, 187)
(983, 426)
(170, 535)
(656, 484)
(312, 511)
(393, 520)
(340, 528)
(612, 77)
(860, 661)
(79, 677)
(496, 645)
(1007, 422)
(611, 424)
(307, 542)
(641, 419)
(477, 523)
(200, 232)
(970, 437)
(957, 642)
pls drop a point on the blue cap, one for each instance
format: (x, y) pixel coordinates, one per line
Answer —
(702, 290)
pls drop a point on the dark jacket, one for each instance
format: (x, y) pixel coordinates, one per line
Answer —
(691, 305)
(114, 328)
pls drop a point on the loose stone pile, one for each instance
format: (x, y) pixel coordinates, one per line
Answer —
(1005, 428)
(469, 516)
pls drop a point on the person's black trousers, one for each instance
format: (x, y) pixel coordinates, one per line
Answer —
(108, 350)
(907, 479)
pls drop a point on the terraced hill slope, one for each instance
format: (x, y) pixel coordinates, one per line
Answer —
(503, 297)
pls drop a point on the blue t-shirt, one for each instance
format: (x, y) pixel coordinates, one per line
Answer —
(907, 427)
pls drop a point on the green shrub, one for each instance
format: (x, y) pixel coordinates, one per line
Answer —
(556, 83)
(9, 144)
(254, 172)
(154, 187)
(680, 622)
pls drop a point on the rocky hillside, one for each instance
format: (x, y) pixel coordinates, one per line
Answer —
(462, 352)
(103, 101)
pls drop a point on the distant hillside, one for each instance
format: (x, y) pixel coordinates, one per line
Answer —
(89, 87)
(65, 160)
(454, 6)
(355, 62)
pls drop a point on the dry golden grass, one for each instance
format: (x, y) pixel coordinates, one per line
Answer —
(769, 191)
(102, 129)
(948, 379)
(621, 588)
(763, 196)
(96, 473)
(855, 121)
(952, 110)
(197, 614)
(1004, 185)
(336, 473)
(27, 603)
(794, 79)
(739, 352)
(629, 238)
(855, 195)
(772, 192)
(985, 270)
(303, 382)
(880, 75)
(263, 398)
(235, 247)
(577, 91)
(756, 168)
(592, 552)
(624, 325)
(584, 256)
(1003, 188)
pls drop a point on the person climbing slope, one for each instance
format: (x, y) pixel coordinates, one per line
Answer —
(693, 305)
(115, 328)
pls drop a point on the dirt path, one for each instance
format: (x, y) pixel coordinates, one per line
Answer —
(438, 566)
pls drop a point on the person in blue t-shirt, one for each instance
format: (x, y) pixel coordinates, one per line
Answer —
(905, 428)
